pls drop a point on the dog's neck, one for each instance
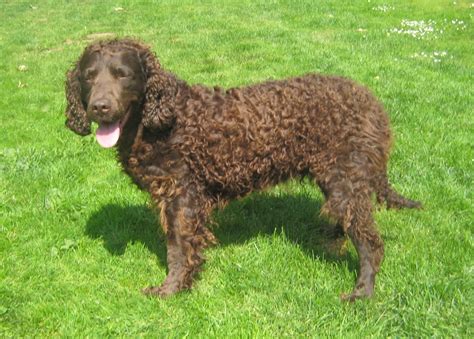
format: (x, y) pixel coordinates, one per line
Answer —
(135, 138)
(131, 135)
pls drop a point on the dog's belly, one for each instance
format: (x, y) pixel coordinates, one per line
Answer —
(235, 166)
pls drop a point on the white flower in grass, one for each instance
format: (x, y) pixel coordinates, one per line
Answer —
(383, 8)
(435, 56)
(417, 29)
(423, 29)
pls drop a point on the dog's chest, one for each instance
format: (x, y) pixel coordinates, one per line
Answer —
(154, 167)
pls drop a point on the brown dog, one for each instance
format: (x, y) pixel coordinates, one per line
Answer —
(193, 146)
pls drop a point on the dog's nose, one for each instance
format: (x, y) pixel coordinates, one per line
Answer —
(101, 106)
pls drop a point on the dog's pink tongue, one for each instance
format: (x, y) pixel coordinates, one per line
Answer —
(107, 135)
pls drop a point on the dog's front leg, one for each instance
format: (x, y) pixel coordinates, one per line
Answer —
(183, 218)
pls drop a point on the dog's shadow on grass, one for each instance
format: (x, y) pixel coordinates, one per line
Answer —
(294, 216)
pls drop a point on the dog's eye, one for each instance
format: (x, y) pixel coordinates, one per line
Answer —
(90, 74)
(121, 72)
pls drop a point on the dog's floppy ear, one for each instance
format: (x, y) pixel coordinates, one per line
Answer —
(75, 113)
(161, 89)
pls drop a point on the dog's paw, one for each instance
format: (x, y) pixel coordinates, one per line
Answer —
(358, 293)
(158, 291)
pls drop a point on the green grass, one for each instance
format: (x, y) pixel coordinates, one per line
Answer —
(78, 241)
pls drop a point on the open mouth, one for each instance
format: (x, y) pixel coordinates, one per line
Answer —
(108, 134)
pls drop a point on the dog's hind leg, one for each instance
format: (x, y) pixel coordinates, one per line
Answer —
(349, 203)
(336, 231)
(368, 243)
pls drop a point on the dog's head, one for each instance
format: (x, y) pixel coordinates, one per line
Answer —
(113, 80)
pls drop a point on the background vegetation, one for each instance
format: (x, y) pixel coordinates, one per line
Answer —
(78, 241)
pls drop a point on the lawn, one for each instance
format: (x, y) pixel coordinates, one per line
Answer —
(78, 241)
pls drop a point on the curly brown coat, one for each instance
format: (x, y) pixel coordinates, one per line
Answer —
(193, 146)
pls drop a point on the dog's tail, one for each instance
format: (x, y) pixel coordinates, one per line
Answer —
(393, 199)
